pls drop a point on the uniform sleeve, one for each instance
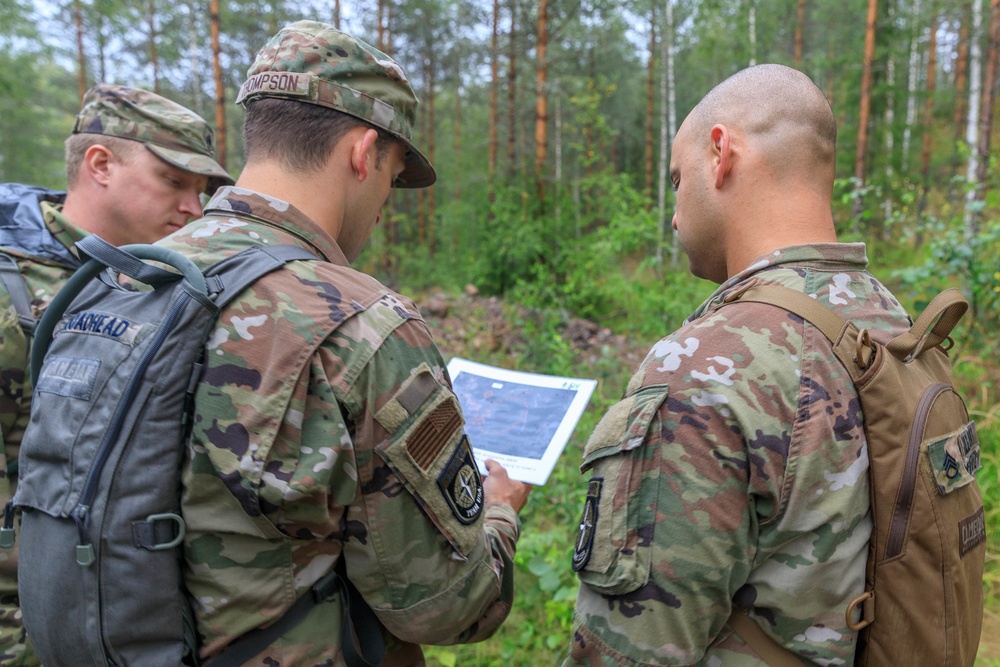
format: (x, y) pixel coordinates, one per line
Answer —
(679, 474)
(435, 562)
(13, 353)
(13, 357)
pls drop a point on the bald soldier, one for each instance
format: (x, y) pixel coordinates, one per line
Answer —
(732, 477)
(136, 164)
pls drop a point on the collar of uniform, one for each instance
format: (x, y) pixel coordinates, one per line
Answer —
(276, 213)
(61, 228)
(836, 256)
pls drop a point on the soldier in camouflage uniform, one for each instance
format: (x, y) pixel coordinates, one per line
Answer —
(136, 166)
(324, 426)
(734, 473)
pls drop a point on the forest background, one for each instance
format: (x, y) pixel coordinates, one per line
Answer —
(549, 122)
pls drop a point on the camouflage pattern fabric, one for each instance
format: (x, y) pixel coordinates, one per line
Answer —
(734, 472)
(172, 132)
(43, 279)
(325, 427)
(315, 63)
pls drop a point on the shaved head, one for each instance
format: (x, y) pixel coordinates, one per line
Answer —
(753, 167)
(784, 115)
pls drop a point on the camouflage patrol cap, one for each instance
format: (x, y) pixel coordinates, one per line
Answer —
(170, 131)
(315, 63)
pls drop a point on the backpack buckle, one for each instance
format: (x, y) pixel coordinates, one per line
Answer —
(159, 532)
(866, 603)
(864, 350)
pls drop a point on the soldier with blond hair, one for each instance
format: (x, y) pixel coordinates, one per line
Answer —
(136, 166)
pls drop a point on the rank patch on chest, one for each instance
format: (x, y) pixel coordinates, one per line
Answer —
(461, 484)
(585, 534)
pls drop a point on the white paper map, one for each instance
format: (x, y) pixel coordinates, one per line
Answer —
(521, 420)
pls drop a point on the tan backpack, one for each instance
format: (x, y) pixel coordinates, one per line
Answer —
(923, 599)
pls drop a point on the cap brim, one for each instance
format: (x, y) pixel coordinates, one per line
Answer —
(195, 163)
(417, 170)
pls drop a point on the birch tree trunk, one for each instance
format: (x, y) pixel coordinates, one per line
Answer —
(799, 28)
(81, 56)
(753, 32)
(866, 99)
(972, 122)
(890, 119)
(650, 79)
(541, 102)
(925, 151)
(911, 81)
(986, 113)
(220, 88)
(668, 121)
(558, 149)
(153, 57)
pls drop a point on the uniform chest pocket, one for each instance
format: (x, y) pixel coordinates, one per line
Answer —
(613, 547)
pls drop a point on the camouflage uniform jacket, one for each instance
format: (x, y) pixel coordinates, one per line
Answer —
(41, 241)
(734, 472)
(325, 425)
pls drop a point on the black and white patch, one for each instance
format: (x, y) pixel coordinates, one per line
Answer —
(461, 484)
(585, 535)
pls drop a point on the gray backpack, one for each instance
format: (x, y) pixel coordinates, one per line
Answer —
(115, 372)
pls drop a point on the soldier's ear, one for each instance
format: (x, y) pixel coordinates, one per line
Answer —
(361, 150)
(97, 164)
(722, 153)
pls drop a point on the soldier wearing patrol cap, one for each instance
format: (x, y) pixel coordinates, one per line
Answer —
(136, 165)
(325, 430)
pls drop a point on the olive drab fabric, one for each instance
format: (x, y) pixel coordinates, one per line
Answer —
(99, 488)
(733, 473)
(923, 602)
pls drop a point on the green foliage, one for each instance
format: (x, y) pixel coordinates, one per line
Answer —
(969, 259)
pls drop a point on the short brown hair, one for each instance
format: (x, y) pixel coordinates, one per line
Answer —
(77, 145)
(301, 135)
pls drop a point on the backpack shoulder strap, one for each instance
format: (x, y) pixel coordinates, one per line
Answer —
(13, 282)
(227, 278)
(852, 347)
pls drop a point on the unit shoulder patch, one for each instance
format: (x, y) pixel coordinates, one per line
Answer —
(461, 484)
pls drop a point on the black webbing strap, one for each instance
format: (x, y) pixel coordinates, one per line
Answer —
(359, 625)
(109, 255)
(13, 282)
